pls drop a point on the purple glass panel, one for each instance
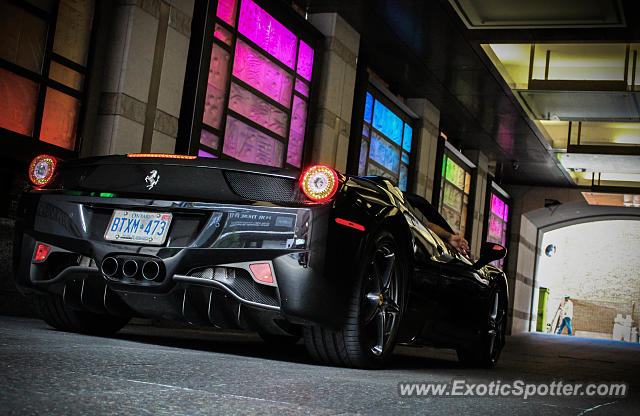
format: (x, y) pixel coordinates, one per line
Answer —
(250, 145)
(505, 216)
(267, 32)
(302, 88)
(495, 228)
(227, 11)
(305, 61)
(296, 133)
(209, 139)
(256, 70)
(256, 109)
(202, 153)
(497, 206)
(223, 34)
(216, 88)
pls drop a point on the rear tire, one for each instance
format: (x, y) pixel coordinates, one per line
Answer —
(55, 313)
(368, 336)
(487, 353)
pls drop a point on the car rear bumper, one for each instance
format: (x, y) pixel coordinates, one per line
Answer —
(203, 266)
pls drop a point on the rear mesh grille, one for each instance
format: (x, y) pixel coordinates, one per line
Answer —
(267, 188)
(240, 282)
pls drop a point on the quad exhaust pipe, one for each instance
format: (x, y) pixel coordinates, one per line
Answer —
(117, 267)
(150, 270)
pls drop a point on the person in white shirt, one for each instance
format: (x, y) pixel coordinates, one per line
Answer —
(566, 309)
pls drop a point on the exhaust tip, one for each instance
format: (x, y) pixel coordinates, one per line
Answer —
(129, 268)
(150, 270)
(109, 266)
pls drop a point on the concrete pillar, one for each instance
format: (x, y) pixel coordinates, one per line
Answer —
(426, 147)
(476, 207)
(143, 77)
(334, 104)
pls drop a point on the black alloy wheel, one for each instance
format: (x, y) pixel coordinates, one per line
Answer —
(368, 337)
(379, 307)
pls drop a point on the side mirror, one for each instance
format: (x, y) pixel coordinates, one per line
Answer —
(488, 253)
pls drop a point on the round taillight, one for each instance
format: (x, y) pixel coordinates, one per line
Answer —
(319, 183)
(41, 169)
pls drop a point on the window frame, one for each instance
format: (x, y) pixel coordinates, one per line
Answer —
(24, 147)
(448, 150)
(494, 189)
(201, 45)
(378, 92)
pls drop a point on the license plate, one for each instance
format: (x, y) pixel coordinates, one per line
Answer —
(141, 227)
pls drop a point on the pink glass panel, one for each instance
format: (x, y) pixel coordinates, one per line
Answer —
(209, 139)
(296, 133)
(497, 206)
(505, 216)
(223, 34)
(227, 11)
(305, 61)
(256, 109)
(202, 153)
(250, 145)
(256, 70)
(60, 119)
(267, 32)
(495, 227)
(216, 88)
(18, 102)
(302, 88)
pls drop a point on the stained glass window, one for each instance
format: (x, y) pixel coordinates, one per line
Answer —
(259, 113)
(455, 187)
(45, 99)
(386, 140)
(498, 221)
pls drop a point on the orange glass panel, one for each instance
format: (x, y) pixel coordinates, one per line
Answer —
(66, 76)
(23, 37)
(73, 30)
(60, 119)
(18, 102)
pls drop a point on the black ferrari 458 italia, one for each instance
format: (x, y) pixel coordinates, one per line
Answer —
(349, 263)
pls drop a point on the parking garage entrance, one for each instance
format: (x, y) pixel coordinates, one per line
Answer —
(595, 266)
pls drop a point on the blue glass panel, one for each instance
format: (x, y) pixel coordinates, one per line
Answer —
(406, 137)
(404, 173)
(387, 122)
(364, 150)
(368, 108)
(384, 153)
(405, 157)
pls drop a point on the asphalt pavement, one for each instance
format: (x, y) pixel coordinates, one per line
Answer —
(162, 371)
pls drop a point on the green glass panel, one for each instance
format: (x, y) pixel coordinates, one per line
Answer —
(455, 174)
(452, 197)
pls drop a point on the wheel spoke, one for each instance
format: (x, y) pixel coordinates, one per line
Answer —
(494, 309)
(376, 278)
(388, 270)
(381, 329)
(370, 307)
(392, 306)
